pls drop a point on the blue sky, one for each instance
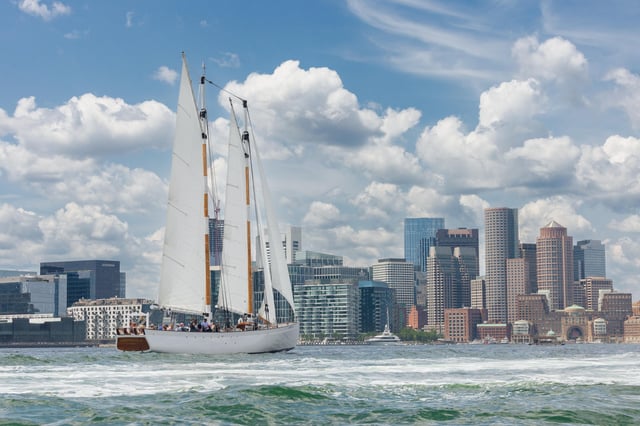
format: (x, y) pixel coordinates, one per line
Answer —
(367, 112)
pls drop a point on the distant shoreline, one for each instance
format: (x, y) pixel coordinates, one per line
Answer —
(53, 344)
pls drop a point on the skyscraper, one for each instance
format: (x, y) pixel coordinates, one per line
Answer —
(460, 237)
(588, 260)
(398, 274)
(100, 279)
(449, 276)
(554, 253)
(501, 243)
(419, 236)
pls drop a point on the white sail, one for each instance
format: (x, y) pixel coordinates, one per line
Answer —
(267, 308)
(184, 270)
(233, 293)
(277, 267)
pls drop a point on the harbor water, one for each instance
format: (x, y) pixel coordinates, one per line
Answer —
(330, 385)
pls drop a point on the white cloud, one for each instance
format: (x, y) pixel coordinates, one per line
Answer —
(628, 224)
(544, 161)
(626, 94)
(514, 102)
(228, 60)
(610, 172)
(555, 59)
(129, 19)
(294, 107)
(83, 232)
(430, 39)
(36, 8)
(321, 213)
(89, 125)
(536, 214)
(166, 74)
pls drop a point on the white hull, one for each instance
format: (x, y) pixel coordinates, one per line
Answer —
(278, 339)
(375, 341)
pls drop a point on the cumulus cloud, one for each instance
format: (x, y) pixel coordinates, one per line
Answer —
(514, 102)
(536, 214)
(555, 59)
(380, 200)
(610, 171)
(544, 161)
(89, 125)
(628, 224)
(166, 75)
(42, 10)
(294, 106)
(78, 231)
(626, 94)
(321, 213)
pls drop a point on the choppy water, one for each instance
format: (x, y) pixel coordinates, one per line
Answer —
(329, 385)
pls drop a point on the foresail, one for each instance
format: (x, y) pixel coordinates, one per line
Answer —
(278, 265)
(233, 294)
(267, 308)
(184, 271)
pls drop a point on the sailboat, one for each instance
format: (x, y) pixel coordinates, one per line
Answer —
(245, 324)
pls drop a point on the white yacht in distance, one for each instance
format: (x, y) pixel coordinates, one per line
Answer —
(386, 338)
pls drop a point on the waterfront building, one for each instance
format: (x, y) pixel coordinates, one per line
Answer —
(493, 332)
(593, 286)
(589, 259)
(104, 316)
(328, 309)
(460, 324)
(101, 279)
(417, 318)
(41, 330)
(501, 243)
(521, 332)
(419, 236)
(615, 308)
(632, 329)
(399, 275)
(554, 255)
(317, 259)
(32, 294)
(376, 302)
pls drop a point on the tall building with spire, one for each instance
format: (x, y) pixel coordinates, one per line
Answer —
(501, 243)
(554, 258)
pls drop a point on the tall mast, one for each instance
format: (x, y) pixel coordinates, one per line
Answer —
(247, 150)
(204, 126)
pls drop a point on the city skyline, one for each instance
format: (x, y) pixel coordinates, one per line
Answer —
(400, 110)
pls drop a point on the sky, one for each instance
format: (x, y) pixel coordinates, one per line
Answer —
(366, 113)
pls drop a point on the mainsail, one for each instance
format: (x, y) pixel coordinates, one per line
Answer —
(235, 265)
(185, 270)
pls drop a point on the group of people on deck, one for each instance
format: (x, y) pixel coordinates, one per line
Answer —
(245, 322)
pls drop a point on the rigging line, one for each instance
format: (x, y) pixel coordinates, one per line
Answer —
(225, 90)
